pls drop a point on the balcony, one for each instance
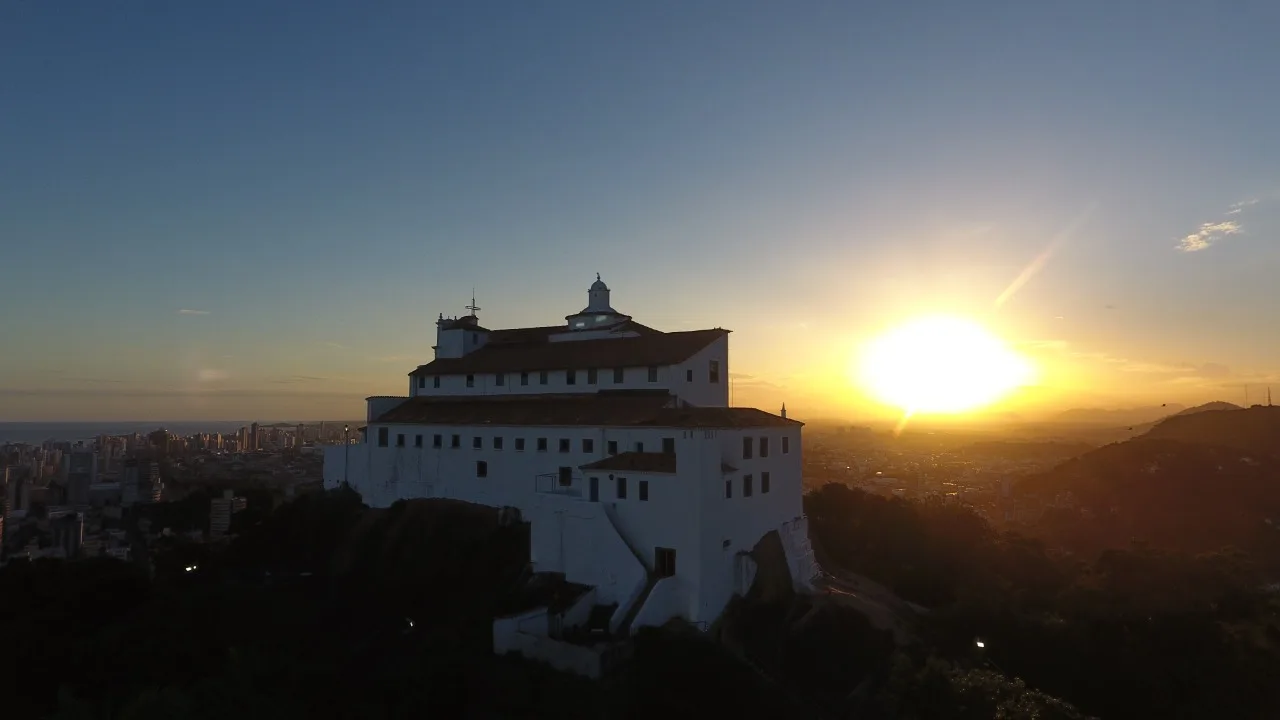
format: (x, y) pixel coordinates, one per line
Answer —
(557, 484)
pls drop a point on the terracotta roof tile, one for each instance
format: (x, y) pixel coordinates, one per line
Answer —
(515, 355)
(613, 409)
(651, 462)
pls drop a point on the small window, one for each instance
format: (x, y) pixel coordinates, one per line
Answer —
(382, 437)
(643, 491)
(417, 441)
(564, 445)
(497, 442)
(542, 444)
(482, 468)
(713, 371)
(477, 442)
(664, 562)
(566, 476)
(747, 482)
(588, 445)
(622, 488)
(570, 377)
(617, 376)
(612, 447)
(764, 447)
(471, 381)
(688, 375)
(764, 482)
(524, 378)
(437, 441)
(422, 382)
(455, 441)
(542, 378)
(435, 382)
(500, 379)
(519, 444)
(669, 446)
(591, 376)
(639, 447)
(653, 373)
(728, 488)
(746, 448)
(786, 445)
(399, 439)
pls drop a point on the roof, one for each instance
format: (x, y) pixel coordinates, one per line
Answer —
(521, 350)
(614, 409)
(641, 462)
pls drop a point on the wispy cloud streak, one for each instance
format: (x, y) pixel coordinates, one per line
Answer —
(186, 311)
(1208, 235)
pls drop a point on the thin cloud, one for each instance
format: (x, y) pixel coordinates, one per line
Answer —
(335, 346)
(1237, 208)
(211, 375)
(187, 311)
(1208, 235)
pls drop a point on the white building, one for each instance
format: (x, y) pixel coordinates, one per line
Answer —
(616, 442)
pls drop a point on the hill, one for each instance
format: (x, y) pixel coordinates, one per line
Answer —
(1209, 407)
(1124, 416)
(1254, 430)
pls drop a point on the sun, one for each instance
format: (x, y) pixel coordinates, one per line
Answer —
(940, 364)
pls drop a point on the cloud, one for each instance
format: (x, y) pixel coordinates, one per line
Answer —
(1237, 208)
(186, 311)
(1208, 234)
(211, 375)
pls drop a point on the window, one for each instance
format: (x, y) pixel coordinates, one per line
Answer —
(746, 448)
(588, 445)
(471, 381)
(435, 381)
(728, 488)
(564, 444)
(497, 442)
(542, 378)
(519, 444)
(644, 490)
(746, 485)
(653, 373)
(524, 378)
(570, 377)
(612, 447)
(786, 445)
(437, 441)
(382, 437)
(688, 375)
(455, 441)
(482, 468)
(399, 439)
(542, 444)
(417, 441)
(617, 376)
(477, 442)
(422, 382)
(664, 562)
(622, 488)
(500, 379)
(591, 376)
(566, 476)
(764, 447)
(764, 482)
(669, 446)
(639, 447)
(713, 371)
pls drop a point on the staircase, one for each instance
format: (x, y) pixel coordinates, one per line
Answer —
(651, 580)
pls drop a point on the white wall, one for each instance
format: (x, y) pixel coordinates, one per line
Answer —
(576, 538)
(634, 378)
(700, 390)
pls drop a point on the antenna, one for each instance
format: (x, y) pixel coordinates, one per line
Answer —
(1268, 396)
(473, 307)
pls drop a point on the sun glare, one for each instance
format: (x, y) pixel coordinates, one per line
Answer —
(940, 365)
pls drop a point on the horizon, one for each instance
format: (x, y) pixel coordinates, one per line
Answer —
(273, 231)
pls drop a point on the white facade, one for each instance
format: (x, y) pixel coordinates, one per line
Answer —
(648, 490)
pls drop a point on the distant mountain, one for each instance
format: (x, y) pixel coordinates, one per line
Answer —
(1127, 416)
(1209, 407)
(1254, 430)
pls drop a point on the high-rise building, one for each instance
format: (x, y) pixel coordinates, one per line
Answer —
(82, 471)
(220, 510)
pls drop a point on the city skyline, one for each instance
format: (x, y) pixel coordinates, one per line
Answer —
(231, 211)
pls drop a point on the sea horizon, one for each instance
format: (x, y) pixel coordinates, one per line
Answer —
(72, 431)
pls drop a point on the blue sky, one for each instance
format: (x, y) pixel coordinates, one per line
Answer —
(318, 180)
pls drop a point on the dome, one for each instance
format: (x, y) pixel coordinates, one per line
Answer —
(598, 284)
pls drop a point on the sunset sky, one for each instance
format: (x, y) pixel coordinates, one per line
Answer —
(238, 210)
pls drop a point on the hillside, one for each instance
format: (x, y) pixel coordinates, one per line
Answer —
(1209, 407)
(1124, 416)
(1254, 430)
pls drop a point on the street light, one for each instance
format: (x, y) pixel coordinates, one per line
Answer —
(346, 453)
(980, 644)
